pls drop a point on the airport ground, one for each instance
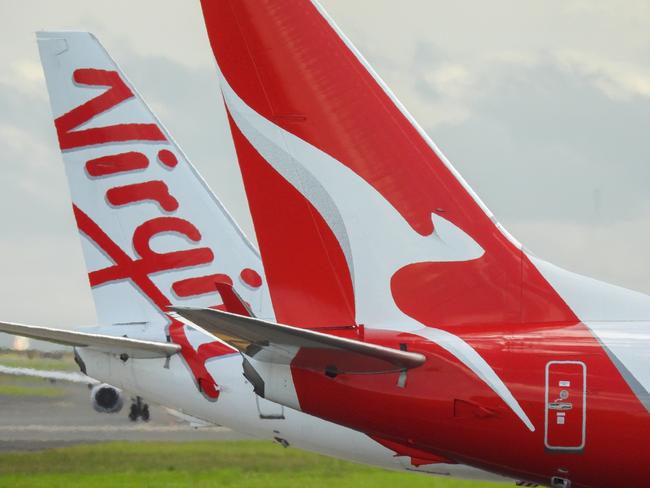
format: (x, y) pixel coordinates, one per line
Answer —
(50, 436)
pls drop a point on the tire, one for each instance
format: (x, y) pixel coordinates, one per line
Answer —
(145, 413)
(134, 413)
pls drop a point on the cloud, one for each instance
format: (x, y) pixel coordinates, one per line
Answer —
(449, 80)
(618, 80)
(635, 10)
(25, 76)
(44, 281)
(544, 142)
(600, 250)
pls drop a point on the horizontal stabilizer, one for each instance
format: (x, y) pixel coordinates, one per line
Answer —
(118, 345)
(302, 348)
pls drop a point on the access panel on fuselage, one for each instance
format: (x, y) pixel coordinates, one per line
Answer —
(566, 404)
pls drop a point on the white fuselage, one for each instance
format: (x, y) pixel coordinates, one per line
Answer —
(240, 409)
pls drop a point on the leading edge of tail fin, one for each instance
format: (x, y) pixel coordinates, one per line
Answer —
(359, 217)
(152, 231)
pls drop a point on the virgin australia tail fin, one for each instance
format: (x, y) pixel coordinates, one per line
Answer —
(358, 215)
(152, 232)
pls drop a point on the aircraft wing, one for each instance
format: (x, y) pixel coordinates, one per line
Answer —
(69, 376)
(304, 348)
(135, 348)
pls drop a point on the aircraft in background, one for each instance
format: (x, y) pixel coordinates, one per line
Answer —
(153, 235)
(403, 309)
(104, 398)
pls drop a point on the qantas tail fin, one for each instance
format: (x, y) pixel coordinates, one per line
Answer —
(152, 232)
(358, 215)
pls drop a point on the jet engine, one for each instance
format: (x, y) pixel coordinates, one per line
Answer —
(106, 398)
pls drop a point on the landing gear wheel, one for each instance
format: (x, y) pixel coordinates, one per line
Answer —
(134, 412)
(145, 413)
(139, 410)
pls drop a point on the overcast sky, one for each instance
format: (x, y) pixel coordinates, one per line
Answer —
(543, 106)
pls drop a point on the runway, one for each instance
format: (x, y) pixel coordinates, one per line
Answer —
(37, 422)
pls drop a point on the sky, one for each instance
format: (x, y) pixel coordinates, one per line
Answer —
(543, 106)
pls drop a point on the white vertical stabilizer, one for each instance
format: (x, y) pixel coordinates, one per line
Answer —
(152, 231)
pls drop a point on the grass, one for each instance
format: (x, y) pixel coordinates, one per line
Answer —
(31, 391)
(37, 361)
(253, 464)
(12, 385)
